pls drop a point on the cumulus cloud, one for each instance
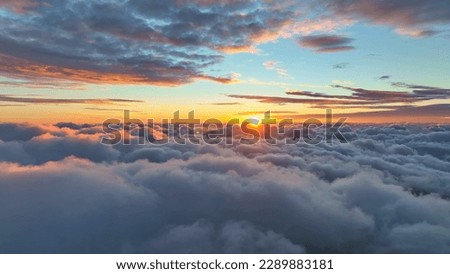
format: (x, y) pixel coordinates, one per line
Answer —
(384, 191)
(155, 43)
(174, 42)
(134, 42)
(17, 132)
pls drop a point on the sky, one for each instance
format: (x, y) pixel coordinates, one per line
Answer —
(86, 61)
(67, 66)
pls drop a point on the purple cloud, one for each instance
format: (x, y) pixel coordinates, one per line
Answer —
(326, 43)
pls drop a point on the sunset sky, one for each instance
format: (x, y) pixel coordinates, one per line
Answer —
(86, 61)
(69, 183)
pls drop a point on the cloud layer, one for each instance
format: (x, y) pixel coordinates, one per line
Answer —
(397, 104)
(384, 191)
(176, 42)
(415, 18)
(159, 43)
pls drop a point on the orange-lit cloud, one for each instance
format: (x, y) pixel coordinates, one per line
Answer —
(41, 75)
(19, 6)
(173, 43)
(40, 100)
(105, 42)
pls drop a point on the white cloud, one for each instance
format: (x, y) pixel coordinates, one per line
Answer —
(385, 191)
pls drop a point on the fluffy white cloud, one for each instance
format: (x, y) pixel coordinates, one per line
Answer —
(384, 191)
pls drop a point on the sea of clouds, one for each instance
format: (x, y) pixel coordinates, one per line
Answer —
(385, 191)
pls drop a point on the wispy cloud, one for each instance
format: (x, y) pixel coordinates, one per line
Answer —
(10, 105)
(291, 100)
(274, 65)
(326, 43)
(62, 101)
(112, 109)
(41, 83)
(340, 66)
(436, 113)
(416, 94)
(398, 102)
(262, 112)
(226, 104)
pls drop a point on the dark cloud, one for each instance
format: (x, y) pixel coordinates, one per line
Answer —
(430, 113)
(172, 43)
(397, 106)
(286, 100)
(326, 43)
(417, 93)
(10, 132)
(340, 66)
(381, 96)
(231, 237)
(384, 77)
(412, 86)
(383, 192)
(415, 18)
(130, 42)
(389, 114)
(359, 98)
(45, 148)
(73, 125)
